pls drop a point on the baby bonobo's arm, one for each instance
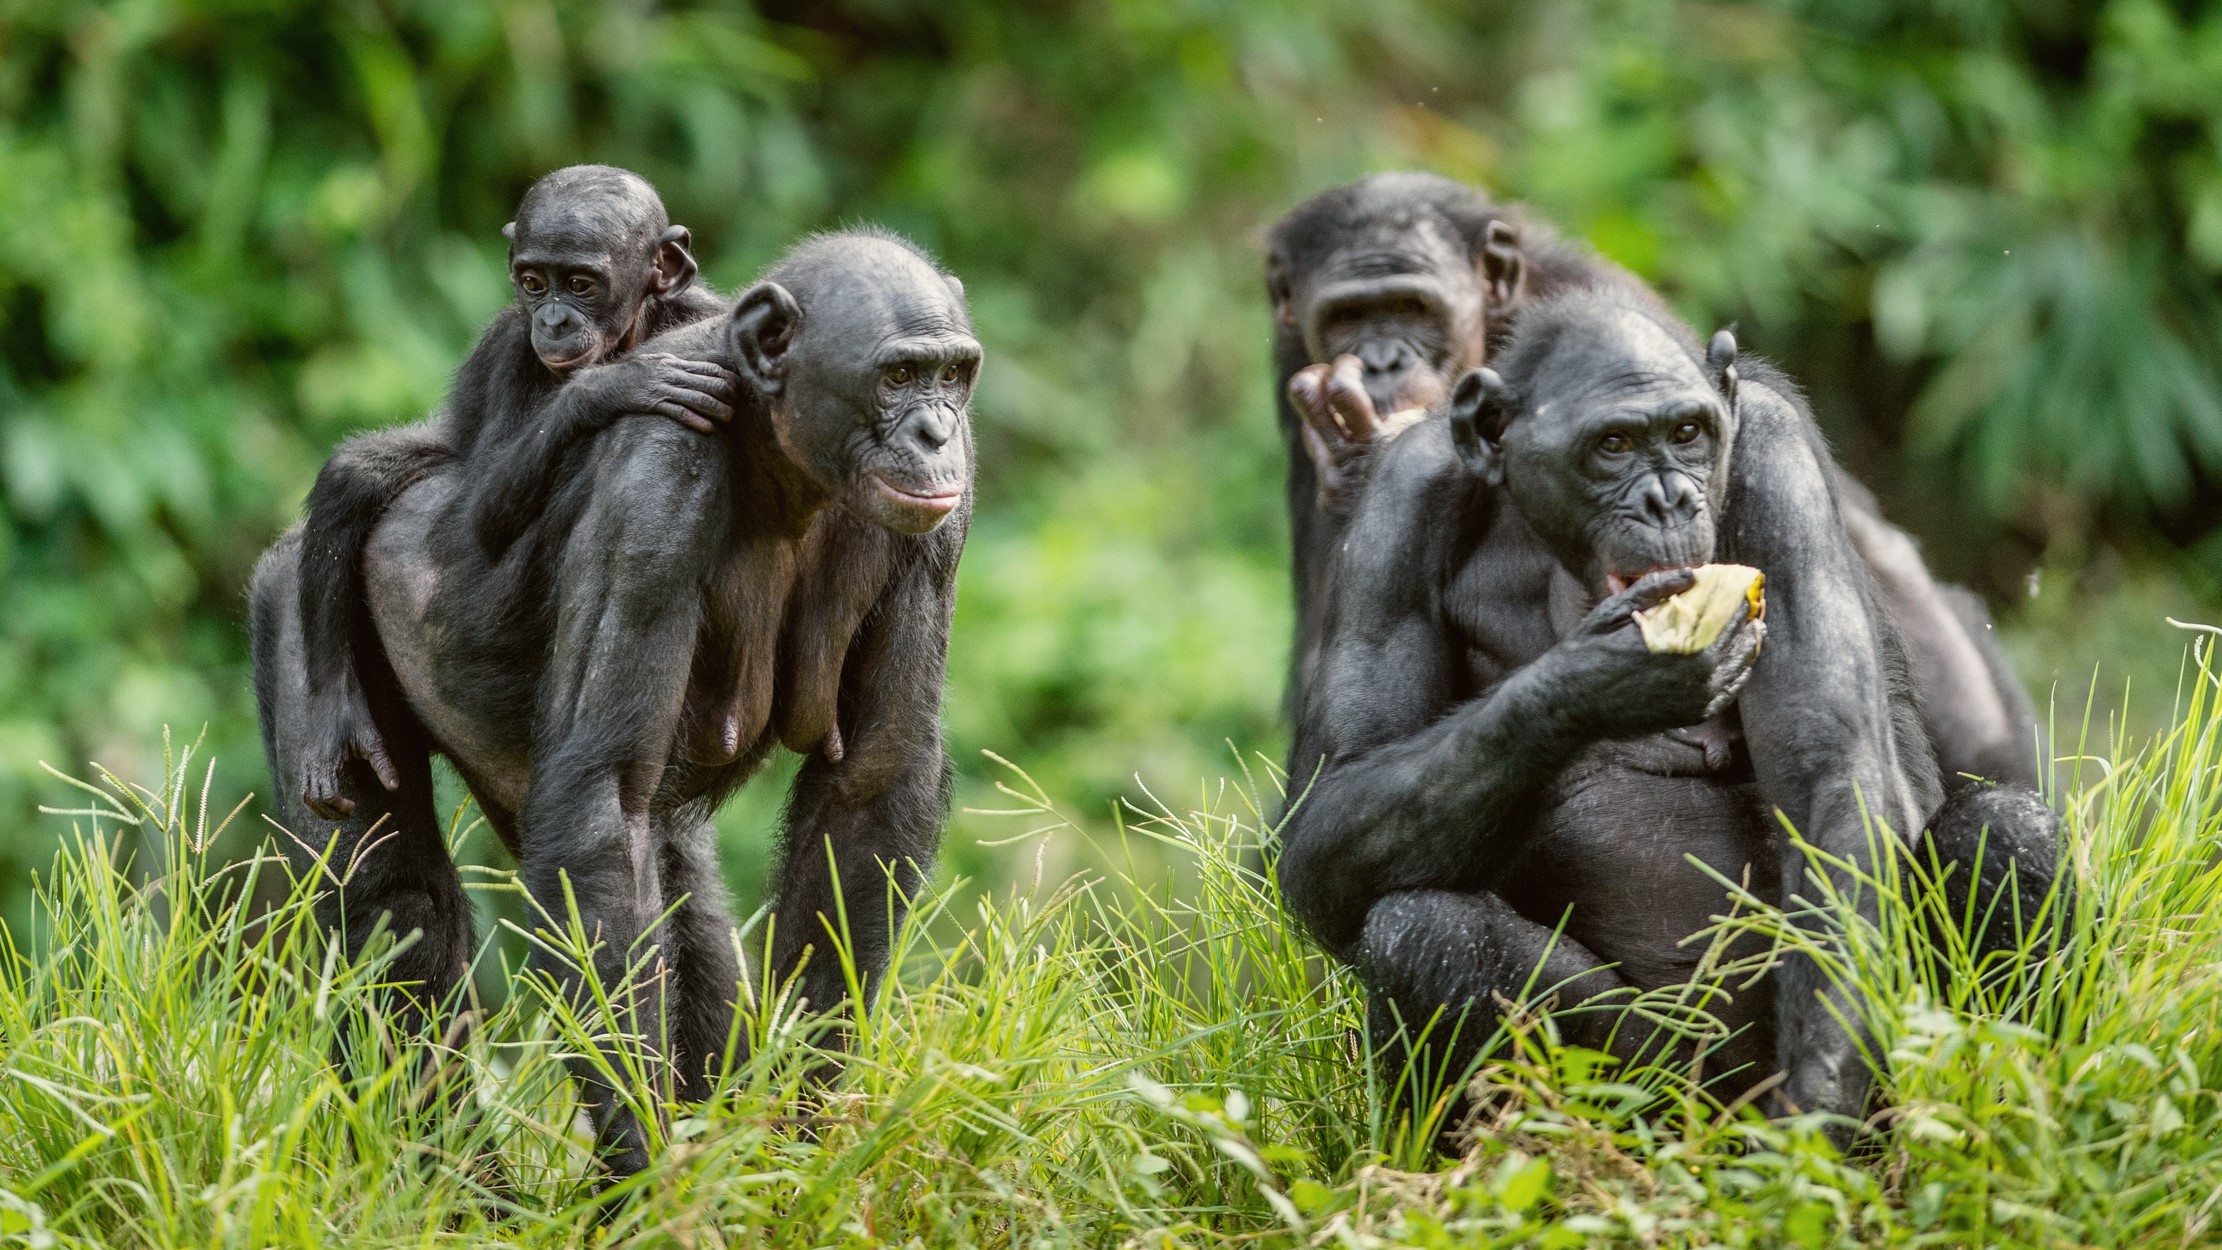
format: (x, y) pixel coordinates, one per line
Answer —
(509, 483)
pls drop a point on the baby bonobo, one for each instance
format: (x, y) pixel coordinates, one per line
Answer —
(1507, 785)
(598, 268)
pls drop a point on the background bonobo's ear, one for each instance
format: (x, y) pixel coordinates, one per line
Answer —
(765, 323)
(1720, 360)
(1480, 408)
(672, 270)
(1276, 289)
(956, 288)
(1502, 262)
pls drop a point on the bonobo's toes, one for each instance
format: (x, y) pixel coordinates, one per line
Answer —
(320, 789)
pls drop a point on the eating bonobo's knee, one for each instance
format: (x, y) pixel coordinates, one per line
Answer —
(1986, 838)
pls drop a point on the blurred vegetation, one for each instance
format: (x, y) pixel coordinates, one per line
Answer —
(1986, 236)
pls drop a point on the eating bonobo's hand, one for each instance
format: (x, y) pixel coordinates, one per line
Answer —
(1340, 426)
(1610, 686)
(695, 393)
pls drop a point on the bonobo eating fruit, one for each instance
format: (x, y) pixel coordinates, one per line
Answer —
(1387, 289)
(683, 602)
(1491, 750)
(598, 268)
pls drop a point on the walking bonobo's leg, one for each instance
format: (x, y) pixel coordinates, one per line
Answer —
(629, 602)
(706, 970)
(388, 865)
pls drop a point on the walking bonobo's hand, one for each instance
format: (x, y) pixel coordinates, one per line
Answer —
(1613, 687)
(695, 393)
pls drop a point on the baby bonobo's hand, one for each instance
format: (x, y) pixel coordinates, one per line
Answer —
(695, 393)
(1614, 687)
(340, 729)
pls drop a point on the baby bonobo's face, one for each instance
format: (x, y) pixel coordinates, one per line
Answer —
(583, 295)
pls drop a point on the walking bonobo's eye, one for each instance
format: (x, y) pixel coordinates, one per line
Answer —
(868, 368)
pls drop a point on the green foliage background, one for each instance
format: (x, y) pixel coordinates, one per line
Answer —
(1986, 236)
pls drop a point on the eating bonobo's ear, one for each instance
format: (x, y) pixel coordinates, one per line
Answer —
(765, 323)
(1480, 408)
(1502, 264)
(674, 263)
(1277, 290)
(1720, 361)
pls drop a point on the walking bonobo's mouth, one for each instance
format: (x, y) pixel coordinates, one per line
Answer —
(938, 502)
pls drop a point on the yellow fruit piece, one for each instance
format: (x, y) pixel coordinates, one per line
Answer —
(1691, 621)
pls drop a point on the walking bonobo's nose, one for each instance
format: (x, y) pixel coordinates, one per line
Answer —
(931, 425)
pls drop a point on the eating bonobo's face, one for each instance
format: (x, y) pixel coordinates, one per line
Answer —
(876, 364)
(1613, 443)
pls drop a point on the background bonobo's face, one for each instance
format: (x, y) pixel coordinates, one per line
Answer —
(876, 392)
(1617, 450)
(1402, 296)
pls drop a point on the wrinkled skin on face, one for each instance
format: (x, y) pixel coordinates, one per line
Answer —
(589, 249)
(1613, 443)
(869, 366)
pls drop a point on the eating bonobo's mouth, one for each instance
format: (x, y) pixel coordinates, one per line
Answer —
(938, 502)
(1617, 582)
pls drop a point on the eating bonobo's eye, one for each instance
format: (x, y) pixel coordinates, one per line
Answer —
(1615, 444)
(582, 285)
(533, 284)
(1687, 432)
(951, 374)
(900, 375)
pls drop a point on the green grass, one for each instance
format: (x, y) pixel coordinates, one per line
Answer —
(1140, 1055)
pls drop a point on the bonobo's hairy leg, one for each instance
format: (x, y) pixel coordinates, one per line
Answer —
(1999, 850)
(1436, 963)
(699, 946)
(388, 866)
(880, 809)
(351, 493)
(628, 604)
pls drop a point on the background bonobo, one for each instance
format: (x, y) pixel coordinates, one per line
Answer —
(681, 605)
(1495, 749)
(597, 268)
(1387, 289)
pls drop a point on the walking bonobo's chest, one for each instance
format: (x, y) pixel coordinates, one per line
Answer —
(778, 621)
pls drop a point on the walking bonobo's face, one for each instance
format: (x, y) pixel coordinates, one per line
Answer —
(1610, 435)
(866, 354)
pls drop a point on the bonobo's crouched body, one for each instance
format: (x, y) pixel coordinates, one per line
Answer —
(1489, 748)
(681, 604)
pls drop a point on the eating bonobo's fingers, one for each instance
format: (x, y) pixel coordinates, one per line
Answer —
(1346, 394)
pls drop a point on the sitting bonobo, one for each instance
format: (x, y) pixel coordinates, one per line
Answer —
(598, 269)
(1491, 751)
(682, 603)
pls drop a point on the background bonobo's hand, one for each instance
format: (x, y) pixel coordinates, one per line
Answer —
(1610, 686)
(695, 393)
(340, 729)
(1340, 426)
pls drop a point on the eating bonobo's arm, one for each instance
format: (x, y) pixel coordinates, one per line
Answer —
(1399, 787)
(1826, 741)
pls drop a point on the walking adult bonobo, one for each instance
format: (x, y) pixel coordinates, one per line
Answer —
(597, 268)
(683, 603)
(1496, 749)
(1389, 288)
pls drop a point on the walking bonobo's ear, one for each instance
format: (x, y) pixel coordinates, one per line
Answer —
(765, 323)
(1720, 359)
(674, 269)
(1480, 408)
(1502, 263)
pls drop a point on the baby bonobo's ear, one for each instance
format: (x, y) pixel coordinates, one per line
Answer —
(1480, 408)
(765, 324)
(673, 270)
(1503, 265)
(1720, 361)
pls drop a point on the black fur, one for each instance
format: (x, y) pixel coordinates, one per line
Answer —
(683, 603)
(1490, 751)
(590, 221)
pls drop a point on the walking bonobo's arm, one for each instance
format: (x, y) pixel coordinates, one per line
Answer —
(880, 808)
